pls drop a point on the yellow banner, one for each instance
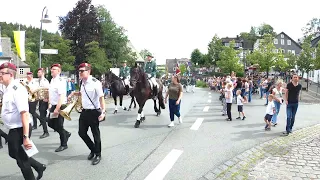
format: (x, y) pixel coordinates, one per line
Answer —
(19, 40)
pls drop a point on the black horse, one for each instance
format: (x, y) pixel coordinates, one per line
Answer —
(142, 92)
(118, 89)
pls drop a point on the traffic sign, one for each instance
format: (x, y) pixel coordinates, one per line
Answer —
(49, 51)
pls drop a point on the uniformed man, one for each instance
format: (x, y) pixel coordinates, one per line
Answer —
(32, 104)
(93, 111)
(57, 101)
(125, 75)
(16, 117)
(43, 104)
(151, 70)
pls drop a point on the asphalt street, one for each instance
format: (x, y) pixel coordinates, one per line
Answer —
(154, 151)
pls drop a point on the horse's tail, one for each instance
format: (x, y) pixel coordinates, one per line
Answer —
(161, 101)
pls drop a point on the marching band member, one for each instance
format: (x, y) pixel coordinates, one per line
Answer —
(43, 104)
(16, 117)
(57, 101)
(93, 111)
(32, 105)
(2, 134)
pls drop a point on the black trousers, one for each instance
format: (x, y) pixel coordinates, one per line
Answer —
(4, 135)
(89, 118)
(32, 111)
(15, 140)
(43, 106)
(57, 125)
(229, 110)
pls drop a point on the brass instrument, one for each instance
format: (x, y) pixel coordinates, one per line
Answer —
(76, 103)
(32, 96)
(41, 93)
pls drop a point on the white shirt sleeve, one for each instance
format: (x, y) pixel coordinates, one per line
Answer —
(99, 89)
(62, 87)
(46, 84)
(21, 99)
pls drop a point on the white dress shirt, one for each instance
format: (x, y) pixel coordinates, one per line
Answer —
(43, 82)
(15, 101)
(57, 87)
(33, 85)
(93, 87)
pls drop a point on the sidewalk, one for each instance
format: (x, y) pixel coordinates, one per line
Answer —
(296, 156)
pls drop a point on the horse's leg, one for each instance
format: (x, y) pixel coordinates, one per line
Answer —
(155, 107)
(137, 124)
(143, 118)
(121, 98)
(129, 108)
(134, 101)
(115, 104)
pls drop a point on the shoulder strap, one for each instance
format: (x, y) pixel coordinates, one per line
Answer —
(87, 95)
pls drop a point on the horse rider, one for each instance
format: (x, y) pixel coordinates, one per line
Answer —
(151, 70)
(125, 75)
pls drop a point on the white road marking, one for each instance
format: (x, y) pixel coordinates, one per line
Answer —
(209, 101)
(209, 96)
(197, 124)
(209, 92)
(206, 109)
(165, 165)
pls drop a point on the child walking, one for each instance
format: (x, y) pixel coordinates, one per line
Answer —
(240, 102)
(271, 109)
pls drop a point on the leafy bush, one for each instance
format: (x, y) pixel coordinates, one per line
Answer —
(201, 84)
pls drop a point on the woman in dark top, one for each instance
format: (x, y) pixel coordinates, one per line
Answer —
(174, 92)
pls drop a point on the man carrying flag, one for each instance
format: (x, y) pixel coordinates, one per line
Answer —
(178, 70)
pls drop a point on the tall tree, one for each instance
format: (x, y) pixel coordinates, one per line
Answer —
(251, 36)
(266, 29)
(312, 27)
(214, 48)
(97, 56)
(113, 39)
(291, 60)
(280, 64)
(144, 52)
(306, 60)
(229, 59)
(81, 26)
(196, 57)
(317, 60)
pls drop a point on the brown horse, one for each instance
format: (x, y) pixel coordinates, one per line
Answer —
(142, 92)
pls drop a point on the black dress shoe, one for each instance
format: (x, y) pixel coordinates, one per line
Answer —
(96, 160)
(34, 127)
(40, 172)
(61, 148)
(91, 155)
(1, 147)
(44, 135)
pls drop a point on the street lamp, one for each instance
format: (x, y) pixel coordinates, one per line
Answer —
(44, 19)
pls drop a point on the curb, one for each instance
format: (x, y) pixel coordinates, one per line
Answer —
(240, 166)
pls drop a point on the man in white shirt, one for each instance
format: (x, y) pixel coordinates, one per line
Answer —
(32, 104)
(16, 118)
(57, 101)
(43, 103)
(93, 111)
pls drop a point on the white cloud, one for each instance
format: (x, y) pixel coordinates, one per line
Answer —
(172, 29)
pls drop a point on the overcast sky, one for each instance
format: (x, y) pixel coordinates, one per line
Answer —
(172, 29)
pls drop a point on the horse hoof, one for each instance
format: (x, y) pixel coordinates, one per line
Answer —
(158, 113)
(134, 107)
(137, 124)
(125, 108)
(143, 118)
(115, 112)
(129, 109)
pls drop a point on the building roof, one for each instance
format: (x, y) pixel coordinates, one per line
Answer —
(315, 41)
(289, 38)
(238, 39)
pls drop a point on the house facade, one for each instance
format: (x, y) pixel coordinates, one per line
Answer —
(9, 56)
(239, 43)
(286, 44)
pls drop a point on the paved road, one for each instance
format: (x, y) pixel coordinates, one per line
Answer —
(150, 151)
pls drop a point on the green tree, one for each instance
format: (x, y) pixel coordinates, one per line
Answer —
(266, 29)
(214, 49)
(291, 61)
(97, 56)
(143, 53)
(183, 68)
(317, 60)
(196, 57)
(306, 60)
(81, 26)
(229, 59)
(251, 36)
(281, 64)
(312, 27)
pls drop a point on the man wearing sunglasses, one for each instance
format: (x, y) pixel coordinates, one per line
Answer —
(93, 111)
(57, 101)
(15, 115)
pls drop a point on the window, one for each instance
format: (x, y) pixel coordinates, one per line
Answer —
(21, 70)
(276, 51)
(227, 44)
(289, 52)
(282, 36)
(293, 52)
(275, 41)
(289, 42)
(282, 41)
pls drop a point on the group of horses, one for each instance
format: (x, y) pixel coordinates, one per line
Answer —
(140, 92)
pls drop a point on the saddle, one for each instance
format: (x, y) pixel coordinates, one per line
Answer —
(151, 84)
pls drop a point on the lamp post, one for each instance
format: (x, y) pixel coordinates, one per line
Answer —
(44, 19)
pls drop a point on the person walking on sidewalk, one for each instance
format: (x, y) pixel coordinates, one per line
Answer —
(174, 92)
(292, 101)
(269, 112)
(240, 102)
(278, 100)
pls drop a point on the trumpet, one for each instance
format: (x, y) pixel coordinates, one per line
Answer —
(41, 93)
(75, 104)
(32, 96)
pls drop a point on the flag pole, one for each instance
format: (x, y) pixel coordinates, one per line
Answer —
(18, 61)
